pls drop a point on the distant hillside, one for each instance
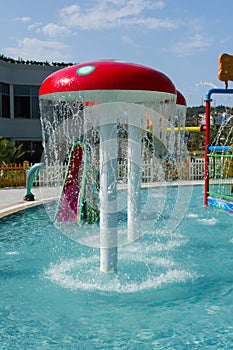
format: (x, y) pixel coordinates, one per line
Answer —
(193, 113)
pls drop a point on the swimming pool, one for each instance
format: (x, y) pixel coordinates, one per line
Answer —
(172, 290)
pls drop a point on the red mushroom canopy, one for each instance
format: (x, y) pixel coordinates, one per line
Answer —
(106, 75)
(180, 100)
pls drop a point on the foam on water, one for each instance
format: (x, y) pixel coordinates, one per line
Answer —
(209, 221)
(192, 215)
(12, 253)
(141, 267)
(83, 274)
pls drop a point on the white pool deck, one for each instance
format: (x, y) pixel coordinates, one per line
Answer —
(11, 199)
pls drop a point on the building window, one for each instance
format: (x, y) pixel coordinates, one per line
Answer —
(35, 111)
(4, 100)
(26, 101)
(22, 101)
(22, 106)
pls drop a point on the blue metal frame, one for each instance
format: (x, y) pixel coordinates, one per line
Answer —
(219, 148)
(218, 91)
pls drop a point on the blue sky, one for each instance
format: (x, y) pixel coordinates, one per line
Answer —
(181, 38)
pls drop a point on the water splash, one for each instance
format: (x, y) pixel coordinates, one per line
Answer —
(84, 275)
(196, 90)
(143, 267)
(209, 222)
(163, 150)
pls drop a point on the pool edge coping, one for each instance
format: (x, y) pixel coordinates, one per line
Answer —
(23, 205)
(18, 206)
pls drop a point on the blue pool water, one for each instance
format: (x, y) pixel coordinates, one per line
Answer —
(172, 290)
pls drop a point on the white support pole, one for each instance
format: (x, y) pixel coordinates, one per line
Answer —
(108, 197)
(134, 178)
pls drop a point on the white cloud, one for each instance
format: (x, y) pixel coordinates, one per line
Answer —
(225, 40)
(22, 19)
(130, 42)
(196, 25)
(190, 46)
(114, 13)
(150, 23)
(36, 49)
(52, 30)
(34, 26)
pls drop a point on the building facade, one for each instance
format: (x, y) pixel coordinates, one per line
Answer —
(19, 103)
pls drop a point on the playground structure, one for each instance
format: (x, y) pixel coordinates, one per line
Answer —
(218, 170)
(96, 113)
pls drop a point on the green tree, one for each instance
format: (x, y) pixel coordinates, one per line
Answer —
(8, 152)
(196, 141)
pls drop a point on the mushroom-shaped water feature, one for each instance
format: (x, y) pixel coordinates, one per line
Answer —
(180, 142)
(97, 98)
(181, 108)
